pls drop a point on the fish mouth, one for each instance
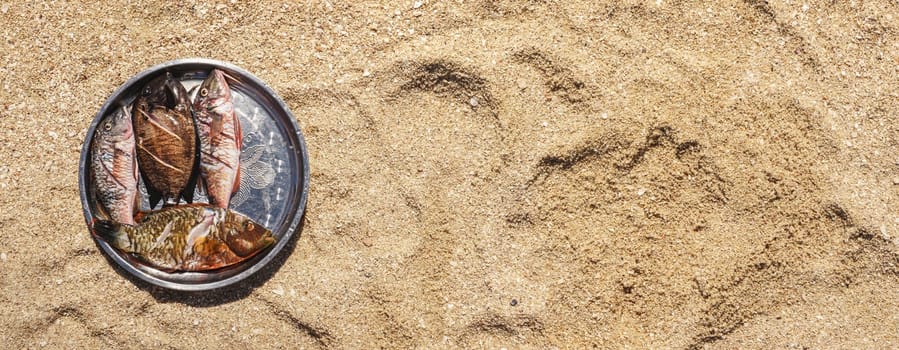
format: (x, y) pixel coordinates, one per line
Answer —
(266, 242)
(249, 243)
(215, 105)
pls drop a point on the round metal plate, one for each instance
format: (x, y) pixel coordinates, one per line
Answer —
(274, 170)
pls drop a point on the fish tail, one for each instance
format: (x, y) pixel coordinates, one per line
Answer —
(111, 232)
(106, 229)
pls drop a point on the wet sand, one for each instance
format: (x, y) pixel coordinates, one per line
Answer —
(486, 174)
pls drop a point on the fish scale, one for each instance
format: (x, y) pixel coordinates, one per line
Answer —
(146, 238)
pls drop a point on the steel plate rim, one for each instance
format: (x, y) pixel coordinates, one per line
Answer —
(282, 241)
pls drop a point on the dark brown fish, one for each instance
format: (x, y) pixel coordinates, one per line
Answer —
(166, 138)
(194, 237)
(220, 139)
(114, 167)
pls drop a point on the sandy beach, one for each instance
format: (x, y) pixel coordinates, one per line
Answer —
(491, 174)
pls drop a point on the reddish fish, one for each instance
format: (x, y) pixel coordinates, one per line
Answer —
(114, 167)
(188, 237)
(166, 140)
(220, 139)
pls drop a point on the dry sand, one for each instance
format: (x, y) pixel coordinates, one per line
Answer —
(495, 173)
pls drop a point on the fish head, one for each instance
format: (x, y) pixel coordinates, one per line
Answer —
(245, 237)
(213, 89)
(163, 91)
(178, 97)
(116, 128)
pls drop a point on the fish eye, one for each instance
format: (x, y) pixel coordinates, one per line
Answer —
(107, 126)
(204, 92)
(250, 226)
(146, 91)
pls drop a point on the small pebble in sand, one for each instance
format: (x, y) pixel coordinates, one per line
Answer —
(641, 191)
(366, 73)
(473, 101)
(196, 322)
(4, 8)
(2, 256)
(278, 291)
(514, 302)
(896, 181)
(53, 134)
(417, 4)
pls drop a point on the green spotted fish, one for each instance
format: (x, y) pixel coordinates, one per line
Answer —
(195, 237)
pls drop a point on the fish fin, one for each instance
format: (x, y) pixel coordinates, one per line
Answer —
(201, 230)
(238, 137)
(106, 229)
(238, 132)
(135, 207)
(188, 192)
(139, 217)
(134, 169)
(110, 232)
(236, 186)
(155, 196)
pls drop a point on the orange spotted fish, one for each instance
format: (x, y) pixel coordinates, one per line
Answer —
(114, 167)
(220, 139)
(166, 138)
(194, 237)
